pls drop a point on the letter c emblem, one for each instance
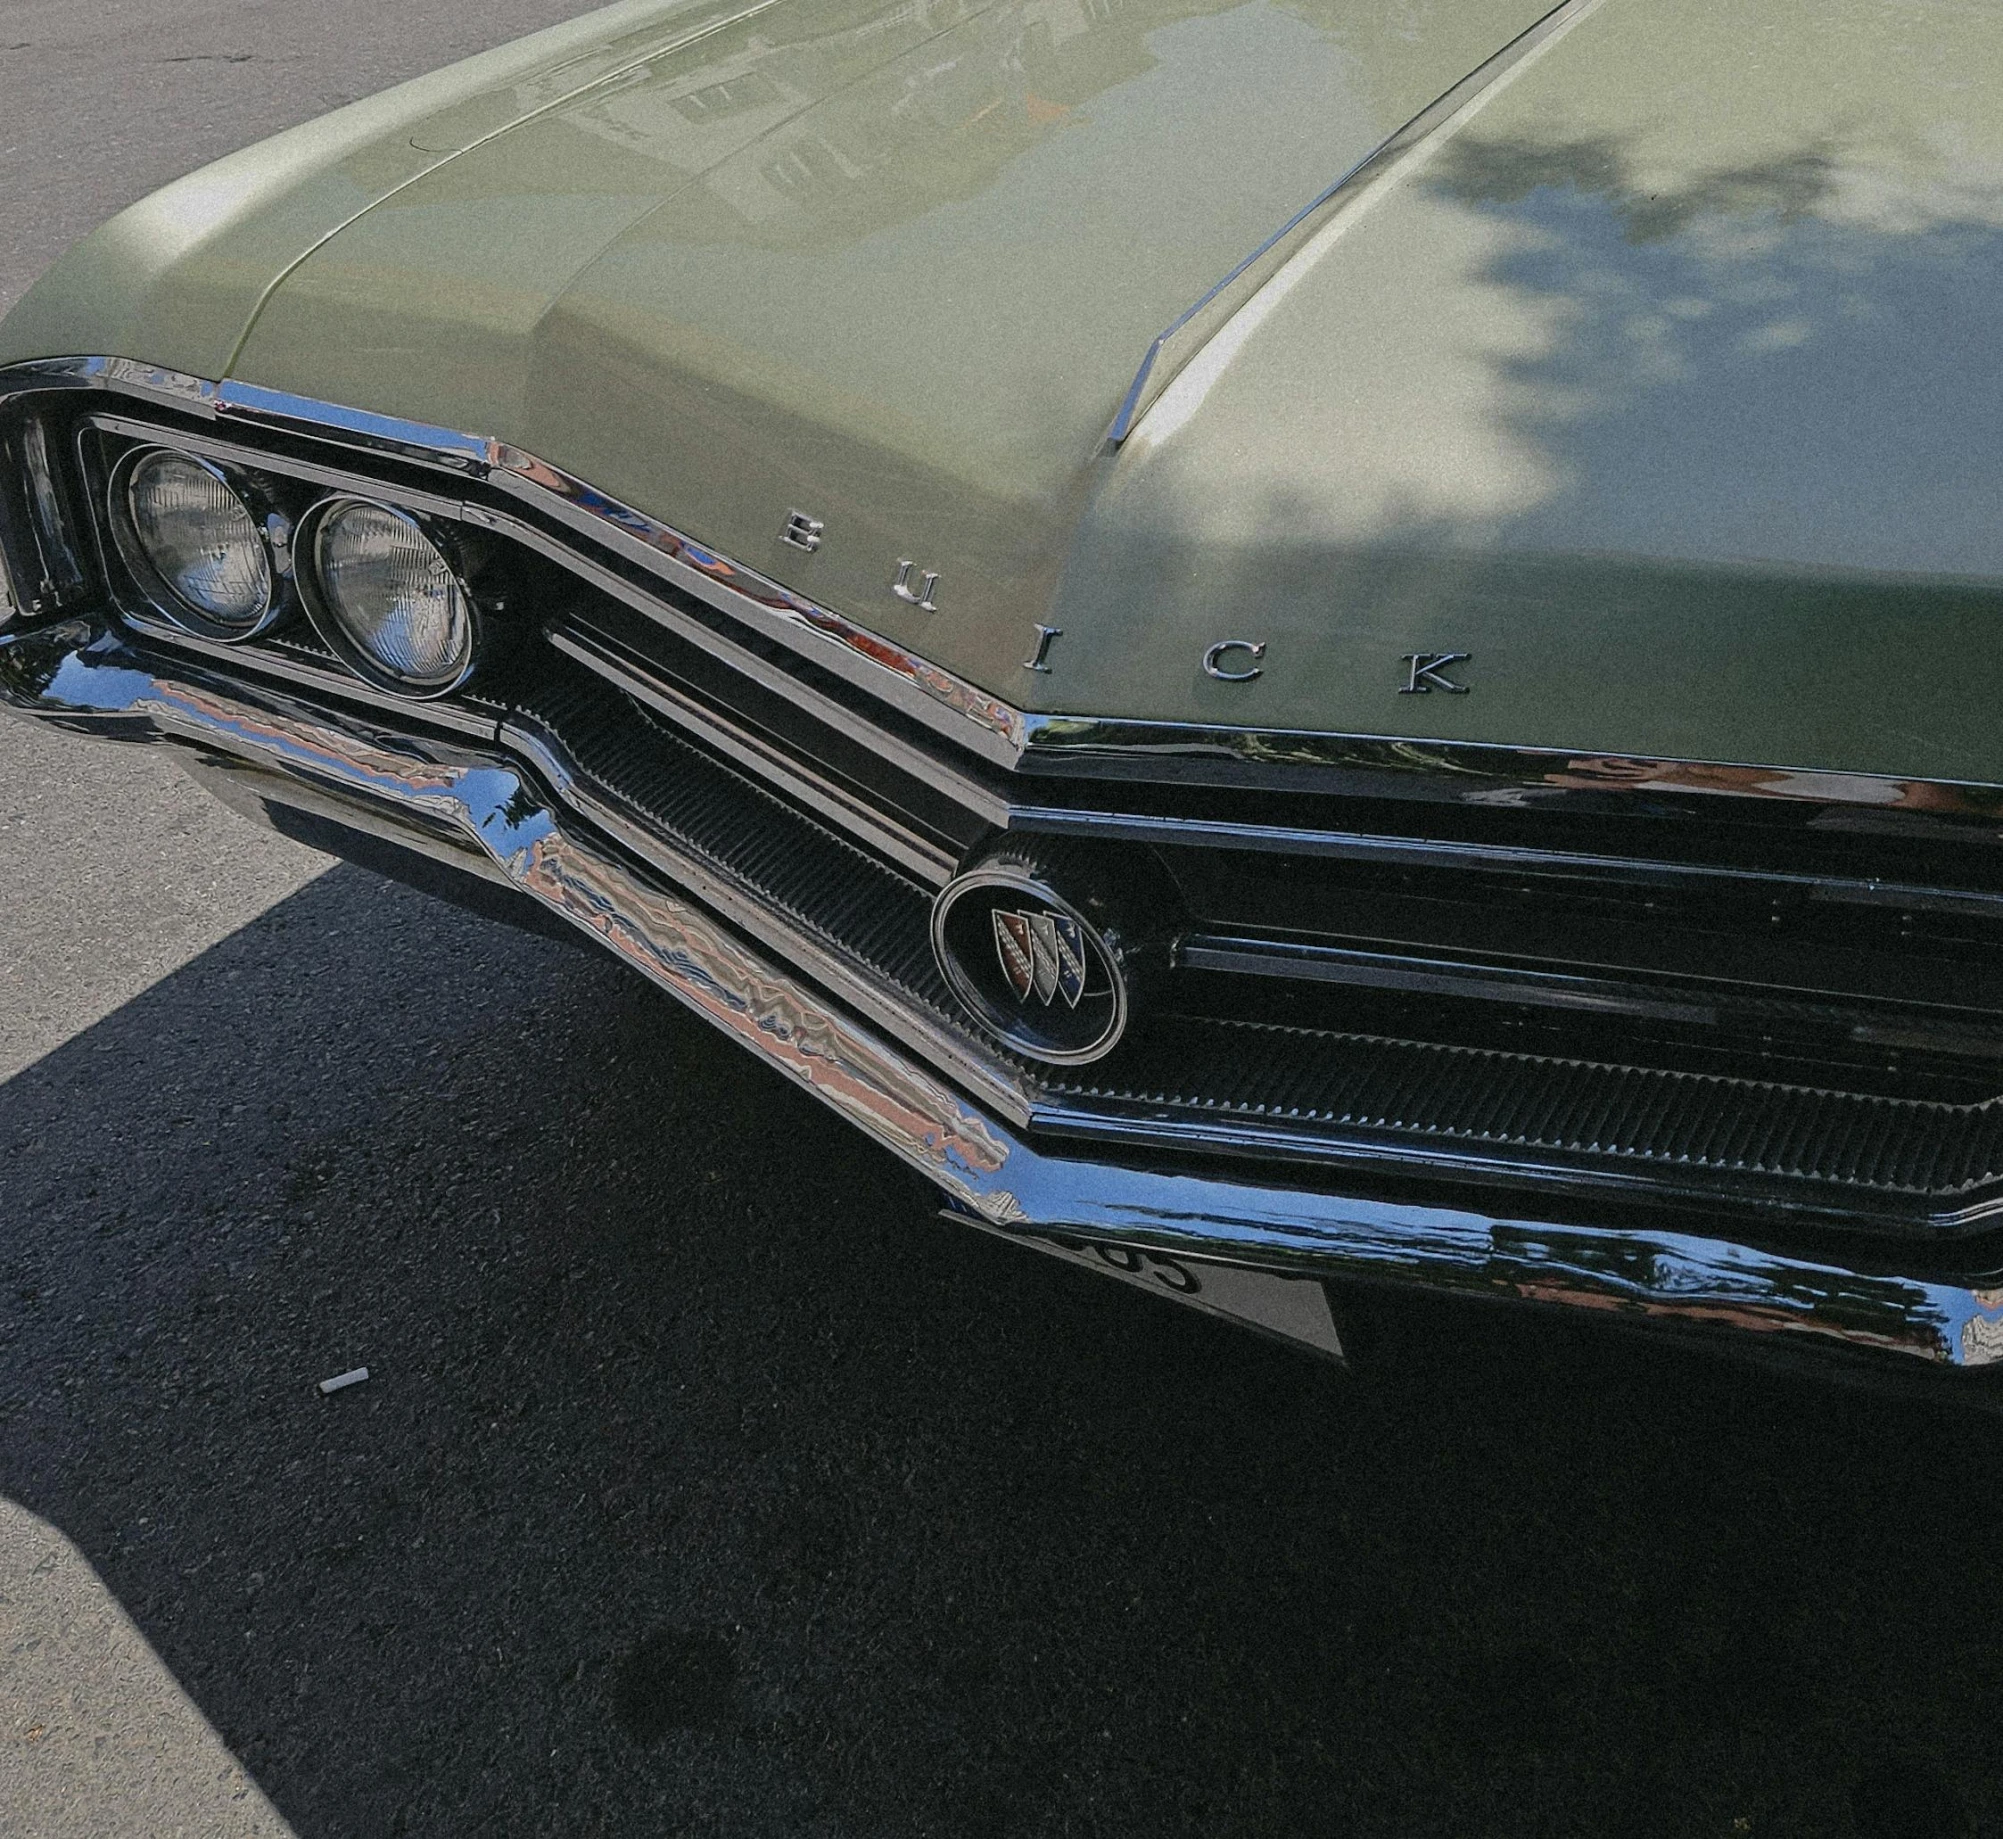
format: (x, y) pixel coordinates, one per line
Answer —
(1214, 665)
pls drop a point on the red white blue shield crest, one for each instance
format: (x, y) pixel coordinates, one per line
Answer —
(1042, 955)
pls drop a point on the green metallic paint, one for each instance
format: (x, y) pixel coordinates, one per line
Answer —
(1665, 387)
(1657, 380)
(175, 279)
(892, 266)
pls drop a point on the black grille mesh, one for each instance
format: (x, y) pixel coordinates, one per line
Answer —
(1544, 1119)
(824, 885)
(1680, 1123)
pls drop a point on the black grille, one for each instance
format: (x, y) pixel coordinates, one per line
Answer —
(1679, 1132)
(823, 886)
(1835, 1146)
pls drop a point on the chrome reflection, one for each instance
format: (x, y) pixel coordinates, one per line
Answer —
(478, 809)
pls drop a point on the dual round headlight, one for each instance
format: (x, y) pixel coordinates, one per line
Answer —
(193, 544)
(384, 595)
(381, 590)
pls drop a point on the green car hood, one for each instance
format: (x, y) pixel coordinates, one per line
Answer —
(890, 265)
(174, 280)
(1665, 385)
(1656, 379)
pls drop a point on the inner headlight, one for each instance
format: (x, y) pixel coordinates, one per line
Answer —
(193, 543)
(385, 596)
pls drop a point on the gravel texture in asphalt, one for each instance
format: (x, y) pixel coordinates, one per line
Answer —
(702, 1481)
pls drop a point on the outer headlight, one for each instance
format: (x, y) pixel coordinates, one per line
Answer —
(385, 596)
(192, 543)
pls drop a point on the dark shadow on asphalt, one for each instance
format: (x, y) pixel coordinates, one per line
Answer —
(704, 1482)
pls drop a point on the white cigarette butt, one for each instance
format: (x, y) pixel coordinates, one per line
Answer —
(342, 1380)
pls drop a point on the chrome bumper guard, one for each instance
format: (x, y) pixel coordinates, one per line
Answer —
(478, 809)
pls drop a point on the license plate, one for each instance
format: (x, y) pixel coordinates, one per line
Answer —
(1292, 1308)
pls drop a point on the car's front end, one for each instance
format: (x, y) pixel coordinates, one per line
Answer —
(1250, 893)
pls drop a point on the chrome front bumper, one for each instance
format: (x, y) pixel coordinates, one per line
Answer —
(483, 811)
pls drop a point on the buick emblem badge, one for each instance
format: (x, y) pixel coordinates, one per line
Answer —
(1028, 966)
(1042, 954)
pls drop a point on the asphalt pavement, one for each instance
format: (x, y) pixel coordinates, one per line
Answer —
(703, 1482)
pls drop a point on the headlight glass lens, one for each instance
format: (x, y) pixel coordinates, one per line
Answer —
(393, 595)
(200, 538)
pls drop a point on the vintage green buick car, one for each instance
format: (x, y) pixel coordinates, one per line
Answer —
(1293, 644)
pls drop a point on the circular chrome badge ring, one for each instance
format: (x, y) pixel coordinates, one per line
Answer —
(1038, 965)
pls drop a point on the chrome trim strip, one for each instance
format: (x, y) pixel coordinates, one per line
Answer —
(172, 389)
(478, 808)
(471, 454)
(1494, 858)
(290, 466)
(821, 795)
(261, 657)
(1468, 979)
(1664, 996)
(1076, 745)
(1459, 772)
(1196, 325)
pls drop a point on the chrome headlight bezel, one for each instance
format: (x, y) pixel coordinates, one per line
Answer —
(160, 594)
(321, 608)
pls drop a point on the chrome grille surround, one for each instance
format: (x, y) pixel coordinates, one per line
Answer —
(474, 808)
